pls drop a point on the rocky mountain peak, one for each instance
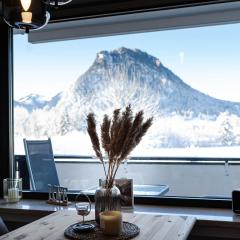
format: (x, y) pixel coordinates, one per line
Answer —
(126, 55)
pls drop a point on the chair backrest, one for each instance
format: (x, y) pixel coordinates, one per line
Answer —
(41, 165)
(3, 227)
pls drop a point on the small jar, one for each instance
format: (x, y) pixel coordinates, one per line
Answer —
(12, 189)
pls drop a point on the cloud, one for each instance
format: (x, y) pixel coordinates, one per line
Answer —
(181, 57)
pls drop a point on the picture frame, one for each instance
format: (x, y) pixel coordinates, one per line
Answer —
(126, 188)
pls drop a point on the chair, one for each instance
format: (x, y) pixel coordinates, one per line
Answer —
(3, 227)
(41, 165)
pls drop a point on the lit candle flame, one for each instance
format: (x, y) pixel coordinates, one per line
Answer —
(26, 4)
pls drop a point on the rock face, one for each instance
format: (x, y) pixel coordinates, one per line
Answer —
(116, 79)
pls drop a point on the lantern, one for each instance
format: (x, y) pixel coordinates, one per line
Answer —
(25, 14)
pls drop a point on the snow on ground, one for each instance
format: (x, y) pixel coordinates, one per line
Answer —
(78, 143)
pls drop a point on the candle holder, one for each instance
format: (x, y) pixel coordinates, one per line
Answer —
(57, 195)
(111, 222)
(12, 189)
(83, 207)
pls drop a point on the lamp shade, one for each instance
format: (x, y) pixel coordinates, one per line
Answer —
(25, 14)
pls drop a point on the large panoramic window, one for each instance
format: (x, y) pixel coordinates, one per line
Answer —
(187, 79)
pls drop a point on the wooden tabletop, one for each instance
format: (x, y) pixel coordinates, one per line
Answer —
(152, 227)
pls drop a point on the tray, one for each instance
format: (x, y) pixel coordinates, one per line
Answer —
(130, 231)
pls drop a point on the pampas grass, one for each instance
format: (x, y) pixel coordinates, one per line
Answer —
(119, 136)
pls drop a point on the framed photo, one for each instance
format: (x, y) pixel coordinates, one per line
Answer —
(126, 188)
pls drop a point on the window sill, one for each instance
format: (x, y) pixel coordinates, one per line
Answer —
(39, 207)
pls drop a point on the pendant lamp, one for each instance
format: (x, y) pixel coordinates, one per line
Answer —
(25, 14)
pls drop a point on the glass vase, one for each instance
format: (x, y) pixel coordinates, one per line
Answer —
(12, 189)
(107, 199)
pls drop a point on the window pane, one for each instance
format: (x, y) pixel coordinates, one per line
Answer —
(186, 79)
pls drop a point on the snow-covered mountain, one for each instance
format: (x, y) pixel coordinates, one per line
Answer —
(35, 101)
(118, 78)
(31, 102)
(126, 76)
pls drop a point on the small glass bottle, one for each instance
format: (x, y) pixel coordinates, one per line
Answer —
(12, 189)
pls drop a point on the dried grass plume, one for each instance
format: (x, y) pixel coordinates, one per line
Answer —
(119, 136)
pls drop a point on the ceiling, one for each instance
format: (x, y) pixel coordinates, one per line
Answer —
(85, 9)
(78, 9)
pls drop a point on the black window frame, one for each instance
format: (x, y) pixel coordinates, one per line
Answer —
(6, 104)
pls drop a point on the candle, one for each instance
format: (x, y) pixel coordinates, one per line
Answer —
(13, 195)
(111, 222)
(26, 17)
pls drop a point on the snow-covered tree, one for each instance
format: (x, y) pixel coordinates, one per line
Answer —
(227, 134)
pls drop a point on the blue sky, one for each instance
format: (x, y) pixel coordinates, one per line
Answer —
(207, 58)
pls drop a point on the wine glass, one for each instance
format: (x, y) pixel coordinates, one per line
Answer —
(83, 207)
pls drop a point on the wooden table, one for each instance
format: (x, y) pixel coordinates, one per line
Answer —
(152, 227)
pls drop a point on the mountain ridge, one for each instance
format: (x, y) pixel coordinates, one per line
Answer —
(147, 80)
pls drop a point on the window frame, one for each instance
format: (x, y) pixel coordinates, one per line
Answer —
(9, 165)
(6, 104)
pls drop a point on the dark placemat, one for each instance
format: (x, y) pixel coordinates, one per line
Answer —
(130, 230)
